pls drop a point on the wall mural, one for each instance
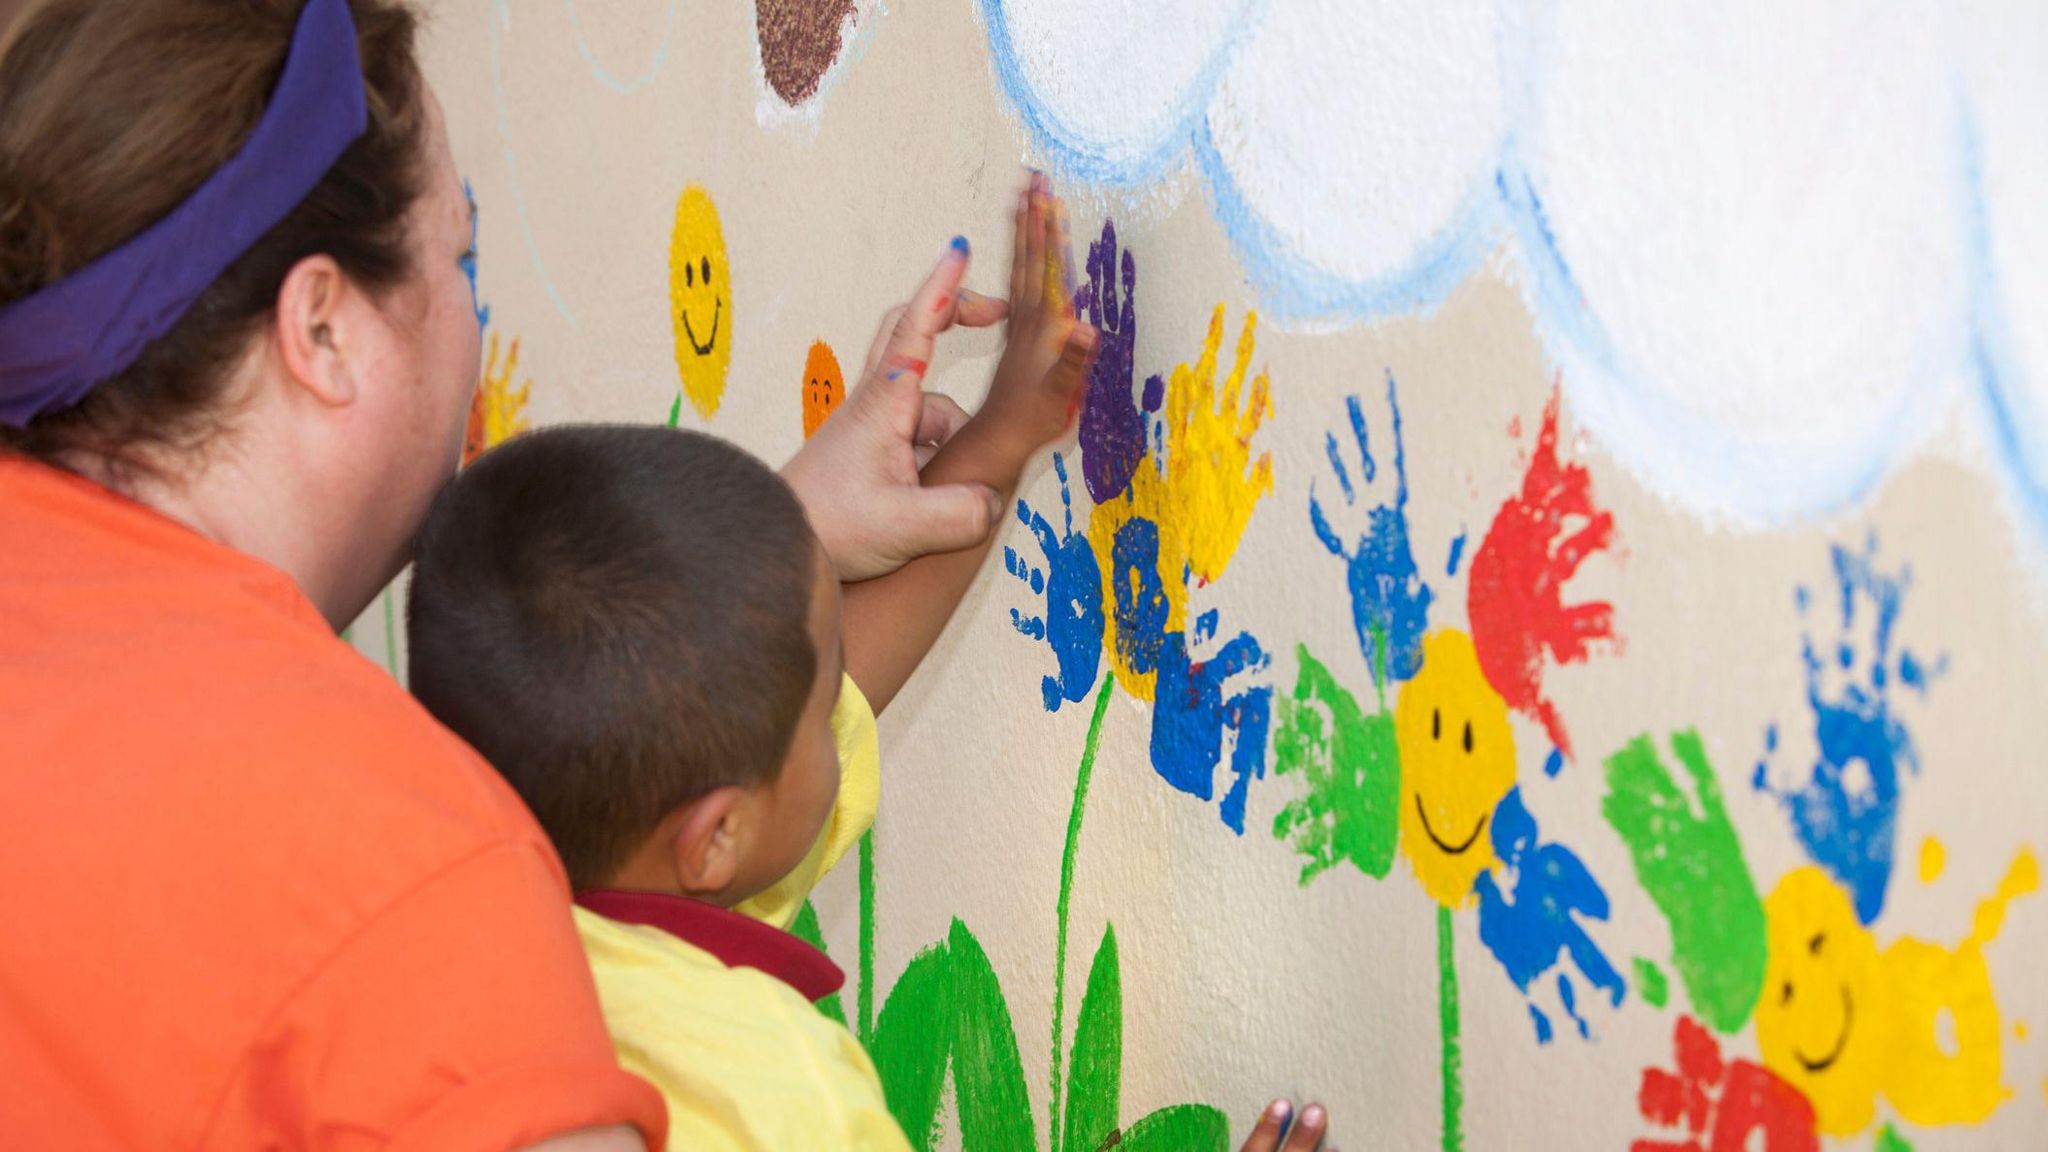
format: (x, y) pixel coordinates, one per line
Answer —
(1311, 612)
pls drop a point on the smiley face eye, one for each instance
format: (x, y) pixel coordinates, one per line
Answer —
(1813, 946)
(706, 265)
(1785, 994)
(1436, 724)
(1468, 736)
(689, 276)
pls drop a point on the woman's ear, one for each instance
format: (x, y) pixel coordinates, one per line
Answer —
(709, 841)
(314, 330)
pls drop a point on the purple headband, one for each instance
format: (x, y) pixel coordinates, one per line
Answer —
(58, 343)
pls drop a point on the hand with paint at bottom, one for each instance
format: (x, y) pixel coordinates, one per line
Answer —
(1191, 714)
(1539, 925)
(1721, 1105)
(1389, 600)
(1071, 582)
(891, 622)
(1112, 426)
(1279, 1130)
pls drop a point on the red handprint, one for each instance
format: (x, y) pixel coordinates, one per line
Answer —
(1516, 598)
(1721, 1104)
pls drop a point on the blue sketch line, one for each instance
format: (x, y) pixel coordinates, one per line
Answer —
(1991, 344)
(501, 15)
(604, 77)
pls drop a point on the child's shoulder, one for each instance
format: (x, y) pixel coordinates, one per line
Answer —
(744, 1059)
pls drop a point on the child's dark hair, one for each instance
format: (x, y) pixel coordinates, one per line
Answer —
(617, 619)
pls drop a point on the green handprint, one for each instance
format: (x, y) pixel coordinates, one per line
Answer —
(1352, 767)
(1689, 859)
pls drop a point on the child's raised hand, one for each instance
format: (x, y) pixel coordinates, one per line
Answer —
(1037, 387)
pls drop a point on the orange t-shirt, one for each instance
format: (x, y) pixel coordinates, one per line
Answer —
(251, 895)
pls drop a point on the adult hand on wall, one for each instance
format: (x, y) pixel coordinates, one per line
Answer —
(858, 477)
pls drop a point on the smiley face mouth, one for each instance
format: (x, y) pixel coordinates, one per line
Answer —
(1841, 1040)
(1447, 849)
(704, 349)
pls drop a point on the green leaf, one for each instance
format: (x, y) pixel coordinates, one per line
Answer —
(912, 1042)
(1180, 1128)
(808, 930)
(988, 1074)
(1095, 1080)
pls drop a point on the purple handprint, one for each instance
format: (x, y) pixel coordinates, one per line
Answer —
(1112, 428)
(1071, 583)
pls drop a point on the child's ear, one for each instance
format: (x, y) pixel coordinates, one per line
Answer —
(710, 841)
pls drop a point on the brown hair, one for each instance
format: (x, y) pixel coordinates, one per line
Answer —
(618, 619)
(112, 114)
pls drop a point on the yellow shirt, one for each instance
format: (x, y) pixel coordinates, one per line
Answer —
(744, 1060)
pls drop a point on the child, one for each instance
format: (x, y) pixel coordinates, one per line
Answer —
(638, 629)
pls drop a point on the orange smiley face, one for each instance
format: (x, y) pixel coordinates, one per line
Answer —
(824, 387)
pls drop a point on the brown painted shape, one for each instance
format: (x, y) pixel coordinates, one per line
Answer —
(799, 42)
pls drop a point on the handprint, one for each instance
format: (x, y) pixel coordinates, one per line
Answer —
(1721, 1105)
(1071, 583)
(1197, 489)
(498, 411)
(1350, 762)
(1389, 601)
(1112, 428)
(1553, 890)
(1844, 813)
(1688, 859)
(1142, 608)
(1191, 716)
(1516, 596)
(1213, 480)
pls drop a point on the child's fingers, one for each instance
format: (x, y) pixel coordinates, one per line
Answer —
(1307, 1133)
(1020, 241)
(1033, 294)
(1272, 1125)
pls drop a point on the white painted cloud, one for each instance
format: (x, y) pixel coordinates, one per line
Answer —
(1355, 167)
(1757, 283)
(1746, 230)
(2006, 64)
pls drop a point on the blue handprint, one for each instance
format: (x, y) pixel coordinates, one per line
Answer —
(1191, 716)
(1112, 428)
(1844, 814)
(1389, 601)
(1071, 583)
(1140, 595)
(1528, 934)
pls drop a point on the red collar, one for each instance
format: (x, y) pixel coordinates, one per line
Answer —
(737, 941)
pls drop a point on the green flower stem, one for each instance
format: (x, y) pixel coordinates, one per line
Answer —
(1059, 961)
(1447, 1009)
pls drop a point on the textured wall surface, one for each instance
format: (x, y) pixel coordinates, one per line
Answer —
(1538, 641)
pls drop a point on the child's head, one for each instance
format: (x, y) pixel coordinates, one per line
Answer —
(636, 627)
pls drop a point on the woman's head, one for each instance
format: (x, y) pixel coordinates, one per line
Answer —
(343, 343)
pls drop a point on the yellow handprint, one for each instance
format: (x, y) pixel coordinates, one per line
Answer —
(498, 412)
(1210, 472)
(1197, 501)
